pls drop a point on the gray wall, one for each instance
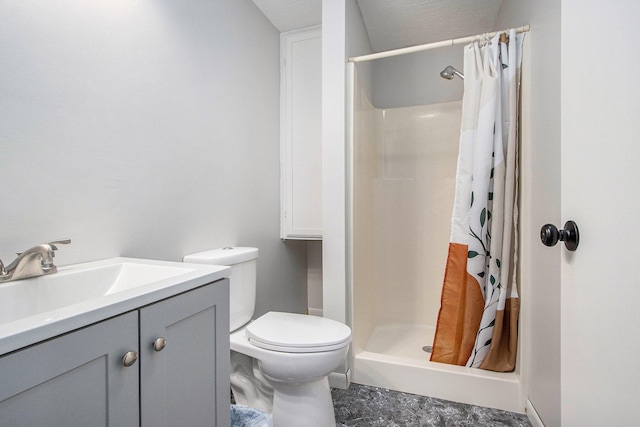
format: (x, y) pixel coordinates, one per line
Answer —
(357, 44)
(414, 79)
(144, 129)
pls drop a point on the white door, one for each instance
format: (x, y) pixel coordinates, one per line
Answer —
(600, 113)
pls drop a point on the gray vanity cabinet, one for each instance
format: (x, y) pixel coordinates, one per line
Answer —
(181, 375)
(76, 379)
(186, 381)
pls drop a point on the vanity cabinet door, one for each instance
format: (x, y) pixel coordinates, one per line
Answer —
(184, 349)
(77, 379)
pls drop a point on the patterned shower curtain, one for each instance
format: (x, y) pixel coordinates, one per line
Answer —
(478, 319)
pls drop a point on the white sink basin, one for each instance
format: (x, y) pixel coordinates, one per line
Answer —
(70, 286)
(79, 294)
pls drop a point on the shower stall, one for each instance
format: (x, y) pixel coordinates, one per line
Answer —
(403, 158)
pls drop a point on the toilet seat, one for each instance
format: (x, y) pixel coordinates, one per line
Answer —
(297, 333)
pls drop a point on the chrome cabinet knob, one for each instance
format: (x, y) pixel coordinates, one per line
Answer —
(159, 344)
(129, 358)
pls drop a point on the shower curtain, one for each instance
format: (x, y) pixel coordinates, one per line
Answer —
(477, 322)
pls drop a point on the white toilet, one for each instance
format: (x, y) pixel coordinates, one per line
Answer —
(280, 361)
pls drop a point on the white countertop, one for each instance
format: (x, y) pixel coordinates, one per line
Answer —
(20, 330)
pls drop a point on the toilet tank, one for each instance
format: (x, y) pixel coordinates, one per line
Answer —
(242, 286)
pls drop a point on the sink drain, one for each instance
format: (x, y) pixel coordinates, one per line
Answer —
(427, 348)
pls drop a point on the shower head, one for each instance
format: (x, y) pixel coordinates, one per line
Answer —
(449, 72)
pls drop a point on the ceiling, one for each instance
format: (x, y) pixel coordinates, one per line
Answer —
(393, 24)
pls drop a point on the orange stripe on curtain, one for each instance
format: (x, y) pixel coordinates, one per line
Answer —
(504, 342)
(461, 309)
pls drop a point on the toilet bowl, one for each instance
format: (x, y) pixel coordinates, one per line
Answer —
(279, 361)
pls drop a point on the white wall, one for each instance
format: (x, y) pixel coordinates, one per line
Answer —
(540, 199)
(600, 152)
(333, 160)
(145, 129)
(343, 36)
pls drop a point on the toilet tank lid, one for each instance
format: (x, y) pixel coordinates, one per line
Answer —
(223, 256)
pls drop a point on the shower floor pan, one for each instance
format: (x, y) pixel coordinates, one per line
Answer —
(402, 340)
(394, 358)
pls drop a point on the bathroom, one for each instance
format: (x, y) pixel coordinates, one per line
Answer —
(150, 129)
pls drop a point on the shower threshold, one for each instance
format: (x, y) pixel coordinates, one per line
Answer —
(393, 358)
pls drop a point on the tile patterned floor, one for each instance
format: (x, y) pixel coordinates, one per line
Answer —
(371, 406)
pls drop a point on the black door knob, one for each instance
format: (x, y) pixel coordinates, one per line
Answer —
(550, 235)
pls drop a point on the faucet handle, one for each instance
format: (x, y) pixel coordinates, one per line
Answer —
(47, 260)
(58, 242)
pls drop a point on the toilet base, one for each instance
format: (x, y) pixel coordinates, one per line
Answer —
(308, 404)
(248, 385)
(293, 387)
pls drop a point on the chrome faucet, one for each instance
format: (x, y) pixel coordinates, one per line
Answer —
(33, 262)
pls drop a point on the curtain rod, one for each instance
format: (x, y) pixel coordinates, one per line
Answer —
(419, 48)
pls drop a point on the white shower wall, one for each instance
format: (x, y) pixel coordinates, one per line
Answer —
(404, 181)
(412, 204)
